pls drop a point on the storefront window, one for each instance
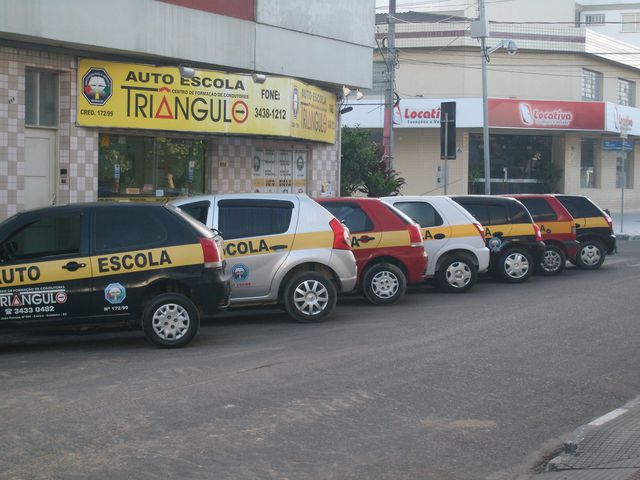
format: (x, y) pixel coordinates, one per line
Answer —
(519, 164)
(588, 164)
(149, 168)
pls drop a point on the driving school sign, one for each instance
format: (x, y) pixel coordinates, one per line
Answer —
(123, 95)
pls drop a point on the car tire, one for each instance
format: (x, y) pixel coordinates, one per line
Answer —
(309, 297)
(591, 255)
(553, 261)
(515, 265)
(457, 274)
(170, 320)
(384, 284)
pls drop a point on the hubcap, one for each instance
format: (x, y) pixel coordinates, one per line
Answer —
(551, 261)
(458, 274)
(385, 284)
(516, 265)
(590, 255)
(311, 297)
(171, 322)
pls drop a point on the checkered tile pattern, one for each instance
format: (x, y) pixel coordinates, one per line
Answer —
(229, 168)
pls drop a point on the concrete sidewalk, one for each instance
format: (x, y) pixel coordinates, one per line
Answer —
(631, 227)
(607, 448)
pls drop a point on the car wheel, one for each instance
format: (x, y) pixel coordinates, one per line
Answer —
(591, 255)
(553, 261)
(384, 284)
(170, 320)
(309, 297)
(515, 265)
(457, 274)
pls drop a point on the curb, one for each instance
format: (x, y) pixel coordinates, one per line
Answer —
(625, 236)
(572, 444)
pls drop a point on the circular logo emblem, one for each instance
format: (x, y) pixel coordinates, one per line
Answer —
(61, 297)
(300, 163)
(115, 293)
(240, 111)
(97, 86)
(495, 243)
(239, 272)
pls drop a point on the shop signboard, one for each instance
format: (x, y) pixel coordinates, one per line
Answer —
(123, 95)
(546, 114)
(616, 144)
(620, 117)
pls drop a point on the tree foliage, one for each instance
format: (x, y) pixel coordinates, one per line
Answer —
(363, 167)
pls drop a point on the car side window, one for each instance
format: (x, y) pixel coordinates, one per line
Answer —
(421, 212)
(127, 228)
(254, 218)
(580, 207)
(539, 209)
(351, 215)
(197, 210)
(518, 213)
(497, 215)
(480, 212)
(57, 235)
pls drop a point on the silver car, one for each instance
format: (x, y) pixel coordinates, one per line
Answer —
(280, 248)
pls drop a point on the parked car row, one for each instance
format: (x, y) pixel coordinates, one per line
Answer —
(162, 267)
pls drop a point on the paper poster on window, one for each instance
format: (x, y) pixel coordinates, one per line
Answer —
(270, 172)
(300, 171)
(257, 172)
(285, 178)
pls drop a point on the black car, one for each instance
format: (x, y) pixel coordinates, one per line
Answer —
(145, 265)
(594, 231)
(512, 237)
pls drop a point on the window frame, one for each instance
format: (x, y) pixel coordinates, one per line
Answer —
(631, 100)
(630, 22)
(594, 78)
(56, 114)
(252, 203)
(596, 163)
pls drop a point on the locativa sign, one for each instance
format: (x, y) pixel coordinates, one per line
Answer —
(123, 95)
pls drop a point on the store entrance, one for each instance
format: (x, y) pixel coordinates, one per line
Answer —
(519, 164)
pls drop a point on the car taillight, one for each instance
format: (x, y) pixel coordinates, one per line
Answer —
(609, 221)
(574, 229)
(415, 235)
(210, 252)
(480, 230)
(536, 229)
(341, 235)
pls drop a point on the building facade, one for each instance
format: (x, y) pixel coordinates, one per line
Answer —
(154, 99)
(556, 110)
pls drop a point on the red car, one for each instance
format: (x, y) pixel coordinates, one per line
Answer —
(558, 229)
(386, 243)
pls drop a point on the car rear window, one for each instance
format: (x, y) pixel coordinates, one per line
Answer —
(421, 212)
(487, 214)
(579, 206)
(539, 209)
(351, 215)
(518, 213)
(198, 210)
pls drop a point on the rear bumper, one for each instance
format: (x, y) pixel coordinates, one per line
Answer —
(610, 244)
(484, 257)
(416, 262)
(213, 292)
(537, 251)
(571, 247)
(344, 264)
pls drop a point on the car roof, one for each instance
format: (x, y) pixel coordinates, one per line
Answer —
(488, 199)
(241, 196)
(347, 199)
(88, 205)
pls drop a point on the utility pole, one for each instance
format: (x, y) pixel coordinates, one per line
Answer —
(485, 99)
(389, 95)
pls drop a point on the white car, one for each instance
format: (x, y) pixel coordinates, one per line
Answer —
(280, 248)
(452, 237)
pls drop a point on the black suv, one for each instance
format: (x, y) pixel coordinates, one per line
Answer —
(514, 240)
(594, 231)
(147, 265)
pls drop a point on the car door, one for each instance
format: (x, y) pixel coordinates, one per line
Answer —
(258, 237)
(364, 234)
(131, 247)
(45, 272)
(436, 233)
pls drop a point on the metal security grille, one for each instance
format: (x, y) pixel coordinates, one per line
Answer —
(595, 19)
(626, 92)
(591, 85)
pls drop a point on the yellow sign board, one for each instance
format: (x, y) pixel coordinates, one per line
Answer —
(124, 95)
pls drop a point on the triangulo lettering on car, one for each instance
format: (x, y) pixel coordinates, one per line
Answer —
(32, 303)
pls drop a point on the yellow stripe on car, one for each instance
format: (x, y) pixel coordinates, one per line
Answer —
(43, 272)
(152, 259)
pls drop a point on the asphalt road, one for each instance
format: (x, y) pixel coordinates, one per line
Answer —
(480, 385)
